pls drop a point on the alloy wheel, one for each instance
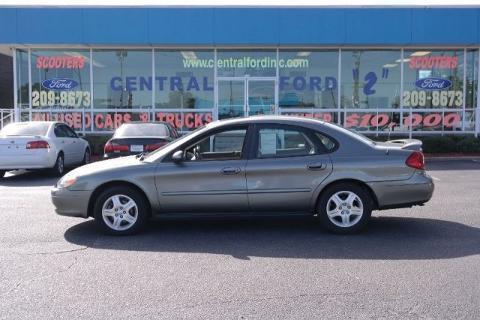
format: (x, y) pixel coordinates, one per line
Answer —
(120, 212)
(344, 209)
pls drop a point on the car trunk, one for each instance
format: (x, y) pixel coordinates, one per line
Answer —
(134, 145)
(16, 145)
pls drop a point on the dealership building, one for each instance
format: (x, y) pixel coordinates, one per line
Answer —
(405, 71)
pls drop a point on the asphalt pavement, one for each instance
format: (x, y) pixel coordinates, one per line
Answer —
(421, 262)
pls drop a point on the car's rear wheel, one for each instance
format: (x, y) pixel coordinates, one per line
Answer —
(59, 167)
(120, 211)
(2, 173)
(345, 208)
(86, 156)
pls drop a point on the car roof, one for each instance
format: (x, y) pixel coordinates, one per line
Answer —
(269, 119)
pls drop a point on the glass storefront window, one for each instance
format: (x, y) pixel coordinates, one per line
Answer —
(433, 79)
(308, 79)
(22, 80)
(184, 79)
(370, 79)
(122, 79)
(258, 63)
(60, 79)
(472, 79)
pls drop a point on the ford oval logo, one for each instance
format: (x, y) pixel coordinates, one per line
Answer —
(59, 84)
(433, 84)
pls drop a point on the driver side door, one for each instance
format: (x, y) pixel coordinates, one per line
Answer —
(211, 178)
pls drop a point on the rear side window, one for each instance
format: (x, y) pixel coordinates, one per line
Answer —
(283, 142)
(60, 132)
(327, 142)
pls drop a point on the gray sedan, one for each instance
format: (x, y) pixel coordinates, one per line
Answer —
(254, 166)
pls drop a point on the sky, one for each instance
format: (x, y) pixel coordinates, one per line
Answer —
(227, 3)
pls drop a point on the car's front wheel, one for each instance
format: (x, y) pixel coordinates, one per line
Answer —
(345, 208)
(120, 211)
(2, 173)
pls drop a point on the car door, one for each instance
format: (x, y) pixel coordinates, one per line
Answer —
(65, 143)
(211, 178)
(288, 163)
(78, 147)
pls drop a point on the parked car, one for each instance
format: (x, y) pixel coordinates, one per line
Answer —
(256, 166)
(41, 145)
(137, 137)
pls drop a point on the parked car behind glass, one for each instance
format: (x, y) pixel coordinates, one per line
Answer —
(263, 165)
(41, 145)
(137, 137)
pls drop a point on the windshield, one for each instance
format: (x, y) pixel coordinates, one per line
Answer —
(142, 130)
(157, 153)
(25, 129)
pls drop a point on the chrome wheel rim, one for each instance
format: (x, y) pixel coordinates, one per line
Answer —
(344, 209)
(120, 212)
(60, 165)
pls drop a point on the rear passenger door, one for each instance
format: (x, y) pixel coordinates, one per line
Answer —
(286, 165)
(65, 143)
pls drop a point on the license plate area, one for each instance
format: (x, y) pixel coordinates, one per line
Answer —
(136, 148)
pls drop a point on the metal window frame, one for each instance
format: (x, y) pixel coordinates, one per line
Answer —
(214, 110)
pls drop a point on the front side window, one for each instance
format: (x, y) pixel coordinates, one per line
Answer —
(224, 145)
(280, 142)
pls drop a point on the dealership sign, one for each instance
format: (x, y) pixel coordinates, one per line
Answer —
(433, 84)
(59, 84)
(60, 62)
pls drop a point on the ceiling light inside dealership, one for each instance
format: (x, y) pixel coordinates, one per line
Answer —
(303, 54)
(420, 53)
(189, 55)
(390, 65)
(400, 60)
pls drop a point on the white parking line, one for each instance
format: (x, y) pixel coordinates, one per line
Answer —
(435, 178)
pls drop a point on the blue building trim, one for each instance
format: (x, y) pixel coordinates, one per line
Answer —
(241, 26)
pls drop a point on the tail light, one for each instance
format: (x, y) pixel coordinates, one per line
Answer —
(115, 147)
(416, 160)
(155, 146)
(40, 144)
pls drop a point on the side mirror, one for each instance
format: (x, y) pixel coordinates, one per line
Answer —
(177, 156)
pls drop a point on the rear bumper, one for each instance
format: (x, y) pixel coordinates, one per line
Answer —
(70, 203)
(397, 194)
(33, 161)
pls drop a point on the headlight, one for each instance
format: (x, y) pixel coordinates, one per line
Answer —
(66, 182)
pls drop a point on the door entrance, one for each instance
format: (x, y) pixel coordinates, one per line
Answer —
(239, 97)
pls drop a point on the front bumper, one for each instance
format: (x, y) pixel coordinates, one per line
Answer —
(70, 203)
(395, 194)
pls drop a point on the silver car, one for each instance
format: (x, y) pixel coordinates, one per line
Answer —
(251, 166)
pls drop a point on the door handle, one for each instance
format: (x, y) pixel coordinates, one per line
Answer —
(230, 170)
(316, 166)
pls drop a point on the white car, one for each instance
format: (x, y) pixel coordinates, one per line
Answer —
(41, 145)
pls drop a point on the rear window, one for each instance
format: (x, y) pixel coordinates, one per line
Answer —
(142, 130)
(25, 129)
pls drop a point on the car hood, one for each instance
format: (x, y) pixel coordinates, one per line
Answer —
(105, 165)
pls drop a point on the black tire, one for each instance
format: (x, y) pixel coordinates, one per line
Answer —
(59, 167)
(86, 157)
(124, 192)
(2, 173)
(357, 221)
